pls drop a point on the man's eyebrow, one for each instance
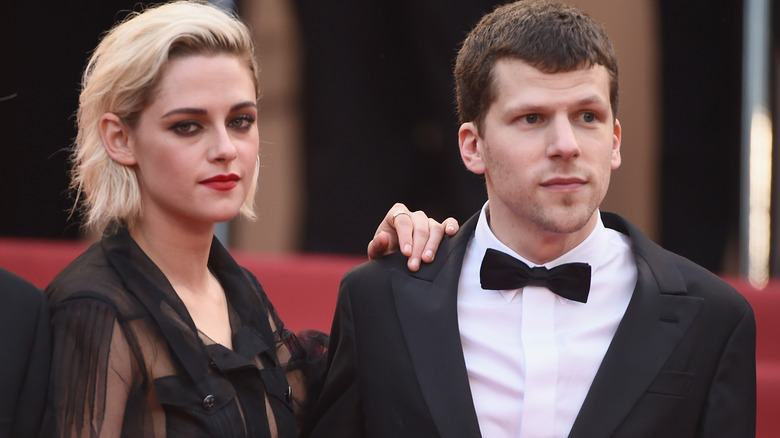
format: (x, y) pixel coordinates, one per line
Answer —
(542, 107)
(591, 100)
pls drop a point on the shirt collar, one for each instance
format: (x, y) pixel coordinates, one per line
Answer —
(589, 251)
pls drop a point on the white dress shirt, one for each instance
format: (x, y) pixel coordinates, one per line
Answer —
(531, 355)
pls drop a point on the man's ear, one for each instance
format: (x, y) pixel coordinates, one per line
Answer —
(116, 139)
(617, 138)
(470, 145)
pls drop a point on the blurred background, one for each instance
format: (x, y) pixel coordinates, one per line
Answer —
(358, 113)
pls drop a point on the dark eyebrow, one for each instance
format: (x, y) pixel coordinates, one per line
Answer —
(200, 111)
(534, 108)
(591, 101)
(243, 105)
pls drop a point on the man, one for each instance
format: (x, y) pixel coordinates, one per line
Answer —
(24, 374)
(634, 342)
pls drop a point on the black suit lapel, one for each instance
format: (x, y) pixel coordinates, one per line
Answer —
(427, 310)
(657, 317)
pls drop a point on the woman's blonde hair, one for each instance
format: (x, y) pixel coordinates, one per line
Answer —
(121, 77)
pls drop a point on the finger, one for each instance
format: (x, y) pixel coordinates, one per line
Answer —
(387, 234)
(405, 224)
(451, 226)
(435, 235)
(379, 246)
(420, 235)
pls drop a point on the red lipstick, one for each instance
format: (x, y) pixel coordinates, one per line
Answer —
(221, 182)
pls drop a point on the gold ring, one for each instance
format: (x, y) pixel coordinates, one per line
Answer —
(399, 212)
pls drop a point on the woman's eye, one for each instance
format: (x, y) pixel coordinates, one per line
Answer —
(242, 122)
(186, 127)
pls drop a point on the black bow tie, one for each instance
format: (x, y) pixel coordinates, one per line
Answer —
(501, 271)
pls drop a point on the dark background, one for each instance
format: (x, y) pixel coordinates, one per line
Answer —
(386, 66)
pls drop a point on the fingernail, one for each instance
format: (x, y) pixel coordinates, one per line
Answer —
(407, 248)
(450, 229)
(428, 254)
(415, 263)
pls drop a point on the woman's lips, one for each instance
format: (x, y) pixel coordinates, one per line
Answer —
(221, 182)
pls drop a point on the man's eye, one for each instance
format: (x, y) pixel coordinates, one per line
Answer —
(589, 117)
(532, 118)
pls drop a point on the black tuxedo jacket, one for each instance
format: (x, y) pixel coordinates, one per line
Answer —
(681, 364)
(24, 371)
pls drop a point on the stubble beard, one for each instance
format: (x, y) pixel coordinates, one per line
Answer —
(567, 216)
(571, 213)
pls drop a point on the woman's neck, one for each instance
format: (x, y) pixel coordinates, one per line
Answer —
(181, 253)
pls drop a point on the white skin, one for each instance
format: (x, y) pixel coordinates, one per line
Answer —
(416, 235)
(201, 126)
(547, 148)
(193, 150)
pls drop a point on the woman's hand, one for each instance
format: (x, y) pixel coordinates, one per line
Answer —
(413, 233)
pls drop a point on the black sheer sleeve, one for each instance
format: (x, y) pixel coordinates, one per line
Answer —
(304, 357)
(91, 359)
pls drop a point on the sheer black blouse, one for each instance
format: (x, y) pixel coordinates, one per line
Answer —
(128, 360)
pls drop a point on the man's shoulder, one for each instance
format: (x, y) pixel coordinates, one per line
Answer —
(669, 267)
(11, 283)
(19, 295)
(703, 282)
(377, 270)
(376, 276)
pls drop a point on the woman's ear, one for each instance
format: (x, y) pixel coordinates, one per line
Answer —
(471, 148)
(116, 139)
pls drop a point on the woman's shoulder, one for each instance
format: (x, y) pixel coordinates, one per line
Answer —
(88, 276)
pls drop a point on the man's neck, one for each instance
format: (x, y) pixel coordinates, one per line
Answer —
(538, 245)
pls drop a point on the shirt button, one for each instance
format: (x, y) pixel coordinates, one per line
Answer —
(213, 365)
(208, 402)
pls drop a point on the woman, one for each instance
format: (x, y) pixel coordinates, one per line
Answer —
(156, 330)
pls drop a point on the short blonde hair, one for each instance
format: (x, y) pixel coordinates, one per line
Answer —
(121, 77)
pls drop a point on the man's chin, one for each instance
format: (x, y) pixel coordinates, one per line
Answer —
(567, 220)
